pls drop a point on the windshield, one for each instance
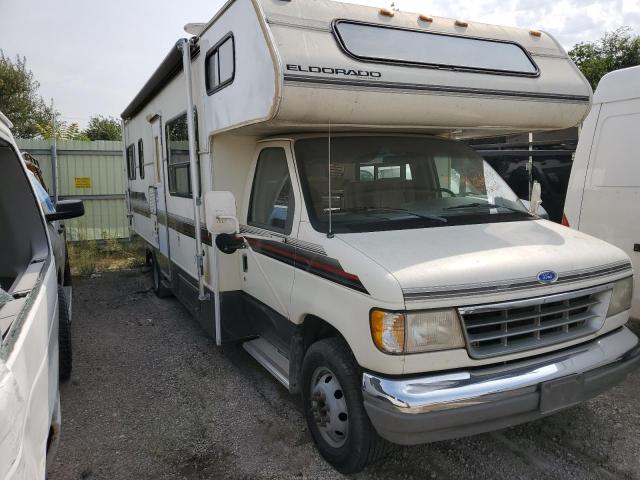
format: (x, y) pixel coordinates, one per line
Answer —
(394, 183)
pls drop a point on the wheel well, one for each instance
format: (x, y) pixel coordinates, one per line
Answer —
(314, 329)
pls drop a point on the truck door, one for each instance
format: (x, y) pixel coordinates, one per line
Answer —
(158, 197)
(271, 215)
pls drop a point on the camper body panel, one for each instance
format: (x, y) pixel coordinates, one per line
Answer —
(603, 197)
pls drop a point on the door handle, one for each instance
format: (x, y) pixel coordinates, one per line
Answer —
(245, 263)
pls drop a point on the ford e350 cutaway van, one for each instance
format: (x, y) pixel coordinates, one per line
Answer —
(297, 170)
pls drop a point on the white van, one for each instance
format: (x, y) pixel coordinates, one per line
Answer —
(362, 253)
(30, 296)
(603, 196)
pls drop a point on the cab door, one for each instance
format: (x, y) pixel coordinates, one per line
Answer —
(270, 222)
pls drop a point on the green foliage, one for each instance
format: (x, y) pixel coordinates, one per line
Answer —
(103, 128)
(615, 50)
(63, 131)
(19, 99)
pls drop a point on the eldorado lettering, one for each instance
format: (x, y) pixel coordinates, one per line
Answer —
(334, 71)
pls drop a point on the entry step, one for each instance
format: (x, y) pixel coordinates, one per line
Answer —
(270, 358)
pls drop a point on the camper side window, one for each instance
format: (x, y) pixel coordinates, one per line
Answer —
(131, 162)
(178, 155)
(220, 64)
(271, 204)
(140, 158)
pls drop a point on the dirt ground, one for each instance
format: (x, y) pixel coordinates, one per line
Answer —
(151, 397)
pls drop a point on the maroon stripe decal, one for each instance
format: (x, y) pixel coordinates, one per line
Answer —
(325, 267)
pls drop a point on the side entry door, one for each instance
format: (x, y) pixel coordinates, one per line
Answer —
(270, 224)
(158, 195)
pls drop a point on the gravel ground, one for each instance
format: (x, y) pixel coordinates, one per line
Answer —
(151, 397)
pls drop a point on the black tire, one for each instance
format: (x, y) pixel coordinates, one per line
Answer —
(362, 444)
(159, 288)
(65, 355)
(67, 272)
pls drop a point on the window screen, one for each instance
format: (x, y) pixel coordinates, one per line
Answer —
(140, 158)
(220, 65)
(178, 156)
(131, 162)
(394, 45)
(271, 197)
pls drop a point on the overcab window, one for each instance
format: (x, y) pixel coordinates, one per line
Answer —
(384, 44)
(220, 64)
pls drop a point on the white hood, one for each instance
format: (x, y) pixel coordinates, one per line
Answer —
(436, 258)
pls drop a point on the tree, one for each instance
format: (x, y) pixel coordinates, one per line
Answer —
(615, 50)
(103, 128)
(19, 99)
(63, 131)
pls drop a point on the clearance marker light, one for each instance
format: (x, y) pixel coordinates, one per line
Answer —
(425, 18)
(461, 23)
(535, 33)
(386, 13)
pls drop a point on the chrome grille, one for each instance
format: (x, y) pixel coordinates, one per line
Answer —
(510, 327)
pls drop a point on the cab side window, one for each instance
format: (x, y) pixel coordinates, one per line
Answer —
(271, 205)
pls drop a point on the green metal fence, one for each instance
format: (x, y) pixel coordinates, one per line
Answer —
(93, 172)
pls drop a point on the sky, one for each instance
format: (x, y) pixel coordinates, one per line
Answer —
(92, 57)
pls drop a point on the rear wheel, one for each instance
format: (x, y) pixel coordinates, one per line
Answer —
(159, 288)
(65, 357)
(333, 408)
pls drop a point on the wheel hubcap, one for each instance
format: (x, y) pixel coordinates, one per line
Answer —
(329, 407)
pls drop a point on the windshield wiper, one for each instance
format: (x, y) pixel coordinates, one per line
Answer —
(402, 210)
(488, 205)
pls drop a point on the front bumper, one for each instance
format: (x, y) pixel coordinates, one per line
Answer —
(456, 404)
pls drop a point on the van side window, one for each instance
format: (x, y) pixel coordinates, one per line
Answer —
(271, 205)
(131, 162)
(140, 158)
(178, 155)
(220, 64)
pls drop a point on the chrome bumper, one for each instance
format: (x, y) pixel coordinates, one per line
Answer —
(449, 405)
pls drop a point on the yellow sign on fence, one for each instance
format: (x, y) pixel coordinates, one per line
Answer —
(83, 182)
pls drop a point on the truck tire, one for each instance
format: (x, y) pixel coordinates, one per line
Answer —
(159, 288)
(67, 271)
(65, 356)
(333, 408)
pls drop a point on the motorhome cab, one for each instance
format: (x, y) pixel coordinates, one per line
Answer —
(296, 170)
(603, 196)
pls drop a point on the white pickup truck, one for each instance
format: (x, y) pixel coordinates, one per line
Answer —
(31, 296)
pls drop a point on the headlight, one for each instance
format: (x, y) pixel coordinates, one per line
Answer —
(621, 296)
(415, 332)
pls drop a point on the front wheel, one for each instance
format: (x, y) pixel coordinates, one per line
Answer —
(333, 408)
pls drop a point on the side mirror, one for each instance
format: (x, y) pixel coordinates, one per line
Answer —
(66, 209)
(228, 243)
(536, 198)
(220, 212)
(542, 213)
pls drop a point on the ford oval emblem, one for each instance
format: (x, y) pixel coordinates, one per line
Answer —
(547, 276)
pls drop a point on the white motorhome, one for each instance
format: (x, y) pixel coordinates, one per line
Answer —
(358, 250)
(603, 196)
